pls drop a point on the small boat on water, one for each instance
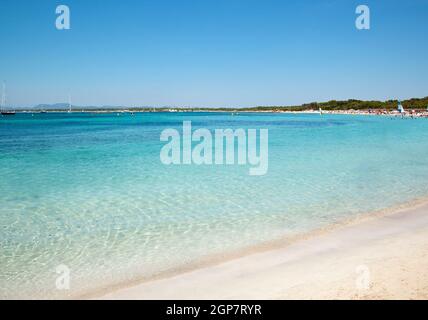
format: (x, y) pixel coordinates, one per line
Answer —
(3, 111)
(7, 113)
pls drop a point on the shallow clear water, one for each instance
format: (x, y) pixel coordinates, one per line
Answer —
(90, 192)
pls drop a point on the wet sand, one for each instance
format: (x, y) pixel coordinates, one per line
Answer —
(385, 257)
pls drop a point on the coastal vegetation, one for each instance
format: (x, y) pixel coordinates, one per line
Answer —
(332, 105)
(352, 104)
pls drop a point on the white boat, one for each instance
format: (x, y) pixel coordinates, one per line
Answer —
(400, 108)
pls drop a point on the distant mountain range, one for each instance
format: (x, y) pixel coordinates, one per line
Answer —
(52, 106)
(65, 106)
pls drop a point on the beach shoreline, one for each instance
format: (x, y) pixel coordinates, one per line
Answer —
(380, 241)
(375, 112)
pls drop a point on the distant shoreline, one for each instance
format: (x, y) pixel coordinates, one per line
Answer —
(417, 113)
(354, 106)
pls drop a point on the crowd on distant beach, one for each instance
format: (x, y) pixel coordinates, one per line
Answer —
(384, 112)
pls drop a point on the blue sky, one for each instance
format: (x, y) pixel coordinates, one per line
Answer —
(212, 52)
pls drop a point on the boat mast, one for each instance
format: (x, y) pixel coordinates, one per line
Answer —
(3, 96)
(69, 103)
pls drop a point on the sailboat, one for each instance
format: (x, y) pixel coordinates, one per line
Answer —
(400, 108)
(320, 111)
(3, 111)
(69, 104)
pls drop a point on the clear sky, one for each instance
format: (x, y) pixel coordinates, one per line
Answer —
(212, 52)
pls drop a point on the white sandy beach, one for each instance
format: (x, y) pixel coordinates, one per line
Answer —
(392, 250)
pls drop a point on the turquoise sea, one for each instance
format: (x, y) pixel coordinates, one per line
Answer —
(89, 191)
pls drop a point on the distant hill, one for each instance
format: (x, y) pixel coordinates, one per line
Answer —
(65, 106)
(54, 106)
